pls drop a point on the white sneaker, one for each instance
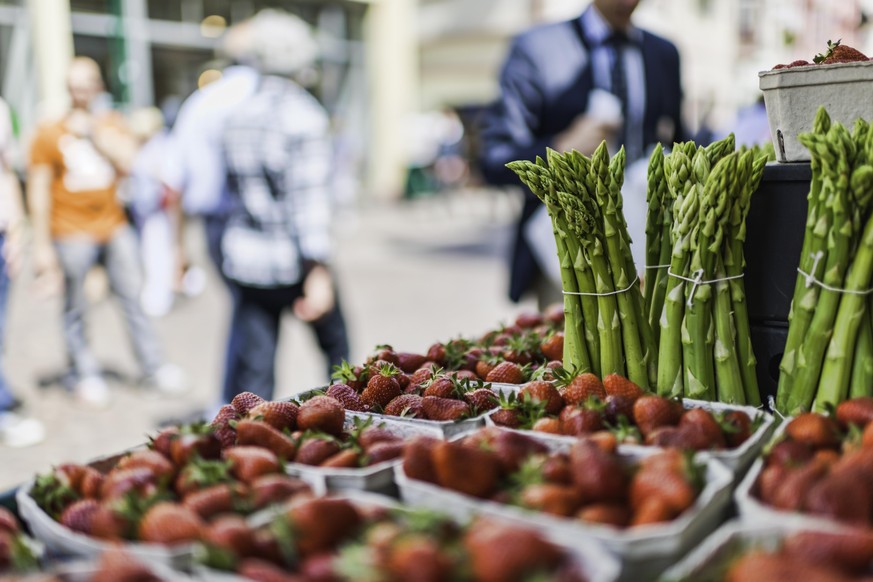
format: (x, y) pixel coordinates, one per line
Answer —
(19, 431)
(93, 391)
(169, 379)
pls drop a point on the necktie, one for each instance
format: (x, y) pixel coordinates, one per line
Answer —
(618, 41)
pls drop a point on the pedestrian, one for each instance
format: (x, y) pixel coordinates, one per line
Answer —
(16, 430)
(78, 222)
(572, 85)
(276, 242)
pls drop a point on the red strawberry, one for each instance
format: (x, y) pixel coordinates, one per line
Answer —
(553, 346)
(814, 429)
(264, 571)
(420, 554)
(194, 440)
(213, 500)
(466, 469)
(92, 483)
(508, 417)
(417, 459)
(701, 421)
(8, 521)
(347, 458)
(441, 386)
(670, 486)
(794, 488)
(78, 515)
(315, 451)
(543, 393)
(789, 453)
(376, 434)
(115, 564)
(615, 514)
(384, 451)
(513, 449)
(232, 534)
(549, 425)
(382, 387)
(654, 509)
(259, 433)
(651, 412)
(152, 460)
(323, 414)
(556, 469)
(484, 366)
(857, 411)
(224, 432)
(409, 362)
(322, 523)
(170, 523)
(275, 488)
(769, 481)
(528, 320)
(499, 552)
(444, 409)
(506, 373)
(162, 441)
(279, 415)
(482, 399)
(347, 396)
(851, 551)
(599, 476)
(841, 498)
(437, 353)
(249, 463)
(107, 524)
(245, 401)
(576, 421)
(617, 407)
(737, 428)
(616, 385)
(583, 387)
(119, 482)
(551, 498)
(406, 405)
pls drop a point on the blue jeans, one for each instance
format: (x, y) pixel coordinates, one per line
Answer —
(6, 398)
(120, 258)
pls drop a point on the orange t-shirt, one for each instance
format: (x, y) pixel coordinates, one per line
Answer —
(83, 188)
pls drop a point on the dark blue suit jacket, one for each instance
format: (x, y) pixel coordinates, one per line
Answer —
(544, 86)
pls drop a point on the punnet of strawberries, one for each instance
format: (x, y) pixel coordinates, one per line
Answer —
(590, 483)
(836, 53)
(823, 465)
(338, 539)
(808, 555)
(577, 405)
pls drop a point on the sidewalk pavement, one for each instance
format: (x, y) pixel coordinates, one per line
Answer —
(409, 274)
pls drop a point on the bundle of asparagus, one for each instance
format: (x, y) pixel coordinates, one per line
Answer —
(698, 202)
(606, 327)
(829, 351)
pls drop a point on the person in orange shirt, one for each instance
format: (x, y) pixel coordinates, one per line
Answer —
(78, 222)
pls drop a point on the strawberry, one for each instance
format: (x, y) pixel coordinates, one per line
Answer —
(245, 401)
(543, 393)
(347, 458)
(375, 434)
(482, 399)
(78, 515)
(484, 366)
(259, 433)
(757, 566)
(550, 425)
(409, 362)
(169, 524)
(850, 551)
(581, 388)
(605, 440)
(417, 459)
(384, 353)
(355, 377)
(162, 441)
(857, 411)
(279, 415)
(512, 449)
(617, 407)
(867, 436)
(382, 387)
(506, 373)
(8, 521)
(499, 552)
(384, 451)
(119, 482)
(551, 498)
(322, 567)
(115, 564)
(508, 417)
(814, 429)
(199, 474)
(92, 483)
(346, 396)
(232, 534)
(419, 554)
(405, 405)
(441, 386)
(769, 481)
(263, 571)
(598, 475)
(70, 475)
(213, 500)
(553, 346)
(651, 412)
(248, 462)
(578, 421)
(653, 510)
(616, 385)
(315, 451)
(323, 414)
(737, 428)
(275, 488)
(195, 439)
(322, 523)
(224, 432)
(789, 453)
(466, 469)
(614, 514)
(671, 487)
(107, 524)
(444, 409)
(841, 498)
(702, 421)
(794, 488)
(155, 462)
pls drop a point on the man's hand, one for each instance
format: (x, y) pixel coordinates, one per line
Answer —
(318, 297)
(585, 134)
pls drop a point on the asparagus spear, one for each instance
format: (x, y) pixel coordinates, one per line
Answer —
(656, 190)
(861, 383)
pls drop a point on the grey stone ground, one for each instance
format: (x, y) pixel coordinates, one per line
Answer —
(410, 274)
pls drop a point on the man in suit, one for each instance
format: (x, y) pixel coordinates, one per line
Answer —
(553, 86)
